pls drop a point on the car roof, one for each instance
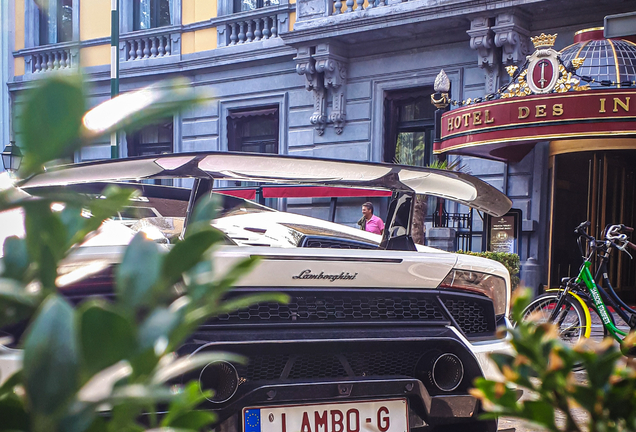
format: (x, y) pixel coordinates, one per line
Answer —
(460, 187)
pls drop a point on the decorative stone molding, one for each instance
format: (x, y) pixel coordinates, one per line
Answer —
(306, 65)
(482, 40)
(333, 66)
(512, 36)
(325, 71)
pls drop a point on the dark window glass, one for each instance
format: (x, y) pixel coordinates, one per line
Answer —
(248, 5)
(56, 24)
(65, 21)
(254, 131)
(151, 140)
(409, 126)
(149, 14)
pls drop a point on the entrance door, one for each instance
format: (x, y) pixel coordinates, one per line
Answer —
(599, 187)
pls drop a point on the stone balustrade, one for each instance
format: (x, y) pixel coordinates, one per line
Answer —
(147, 47)
(51, 59)
(252, 26)
(348, 6)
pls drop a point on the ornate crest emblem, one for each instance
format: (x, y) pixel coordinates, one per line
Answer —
(543, 67)
(544, 72)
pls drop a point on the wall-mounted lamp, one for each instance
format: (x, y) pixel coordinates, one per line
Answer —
(11, 157)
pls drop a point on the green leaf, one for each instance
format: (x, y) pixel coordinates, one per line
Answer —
(183, 365)
(106, 337)
(158, 325)
(193, 420)
(49, 124)
(540, 412)
(187, 253)
(16, 258)
(246, 301)
(213, 291)
(46, 240)
(138, 273)
(51, 357)
(136, 109)
(206, 209)
(186, 401)
(16, 303)
(13, 414)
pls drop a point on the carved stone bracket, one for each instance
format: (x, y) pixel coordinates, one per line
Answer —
(482, 40)
(306, 65)
(325, 70)
(512, 36)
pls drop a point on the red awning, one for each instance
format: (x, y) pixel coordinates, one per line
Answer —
(248, 194)
(303, 192)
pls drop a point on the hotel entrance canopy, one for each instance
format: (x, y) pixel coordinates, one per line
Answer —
(588, 90)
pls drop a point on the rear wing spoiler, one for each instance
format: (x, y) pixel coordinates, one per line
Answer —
(403, 181)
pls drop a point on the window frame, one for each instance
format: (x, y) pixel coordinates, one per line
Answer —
(393, 101)
(240, 117)
(32, 22)
(126, 18)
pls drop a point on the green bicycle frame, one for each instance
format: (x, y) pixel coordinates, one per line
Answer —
(586, 277)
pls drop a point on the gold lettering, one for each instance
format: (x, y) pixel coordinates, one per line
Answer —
(466, 117)
(624, 105)
(602, 110)
(524, 112)
(450, 124)
(488, 119)
(540, 111)
(458, 122)
(557, 110)
(476, 118)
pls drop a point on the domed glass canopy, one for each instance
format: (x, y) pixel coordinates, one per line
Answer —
(607, 61)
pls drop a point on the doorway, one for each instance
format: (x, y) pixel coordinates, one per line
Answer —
(600, 187)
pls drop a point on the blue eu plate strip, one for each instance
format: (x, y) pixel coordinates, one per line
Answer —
(253, 420)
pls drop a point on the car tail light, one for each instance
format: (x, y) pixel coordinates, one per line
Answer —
(492, 286)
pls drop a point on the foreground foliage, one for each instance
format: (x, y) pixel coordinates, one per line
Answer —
(605, 394)
(104, 366)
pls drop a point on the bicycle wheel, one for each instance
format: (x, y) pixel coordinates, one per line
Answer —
(572, 322)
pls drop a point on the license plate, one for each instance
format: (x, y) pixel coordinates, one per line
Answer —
(365, 416)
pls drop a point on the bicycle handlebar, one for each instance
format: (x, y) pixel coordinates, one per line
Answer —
(631, 245)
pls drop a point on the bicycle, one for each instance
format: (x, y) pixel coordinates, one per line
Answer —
(570, 306)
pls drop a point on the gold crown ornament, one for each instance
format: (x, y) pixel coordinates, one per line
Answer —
(543, 40)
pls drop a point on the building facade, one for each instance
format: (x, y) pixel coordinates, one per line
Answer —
(328, 78)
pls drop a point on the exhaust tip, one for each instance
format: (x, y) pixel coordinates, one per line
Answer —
(222, 378)
(447, 372)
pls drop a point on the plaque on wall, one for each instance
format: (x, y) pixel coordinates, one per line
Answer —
(503, 234)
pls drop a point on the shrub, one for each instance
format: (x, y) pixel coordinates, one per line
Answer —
(510, 260)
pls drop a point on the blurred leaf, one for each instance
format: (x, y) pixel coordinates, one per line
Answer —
(136, 109)
(13, 414)
(159, 324)
(46, 240)
(106, 337)
(186, 401)
(187, 253)
(16, 303)
(16, 258)
(138, 273)
(246, 301)
(204, 212)
(540, 412)
(50, 122)
(213, 291)
(51, 357)
(184, 365)
(193, 420)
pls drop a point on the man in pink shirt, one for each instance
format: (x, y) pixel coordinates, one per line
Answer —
(371, 222)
